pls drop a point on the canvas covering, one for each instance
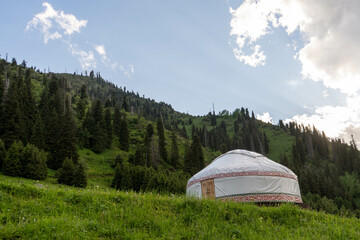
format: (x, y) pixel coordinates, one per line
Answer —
(247, 176)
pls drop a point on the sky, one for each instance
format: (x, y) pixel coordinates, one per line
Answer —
(295, 60)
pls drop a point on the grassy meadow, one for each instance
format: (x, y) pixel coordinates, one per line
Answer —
(42, 210)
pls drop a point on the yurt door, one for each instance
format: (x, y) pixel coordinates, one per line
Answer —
(208, 189)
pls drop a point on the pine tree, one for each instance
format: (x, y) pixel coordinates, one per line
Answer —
(80, 179)
(174, 151)
(266, 143)
(124, 133)
(162, 149)
(108, 128)
(52, 140)
(196, 151)
(28, 107)
(189, 164)
(34, 163)
(2, 90)
(67, 142)
(139, 159)
(125, 105)
(67, 172)
(117, 122)
(11, 124)
(116, 182)
(12, 164)
(38, 135)
(148, 139)
(2, 153)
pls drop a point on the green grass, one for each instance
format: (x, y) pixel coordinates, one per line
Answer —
(40, 210)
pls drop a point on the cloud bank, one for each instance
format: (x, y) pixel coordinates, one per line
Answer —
(330, 30)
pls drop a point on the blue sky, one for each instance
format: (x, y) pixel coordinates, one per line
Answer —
(191, 54)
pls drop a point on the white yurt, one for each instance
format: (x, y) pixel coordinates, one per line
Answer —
(245, 176)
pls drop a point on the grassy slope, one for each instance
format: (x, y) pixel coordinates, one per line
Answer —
(41, 210)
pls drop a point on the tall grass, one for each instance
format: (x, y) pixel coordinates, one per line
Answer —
(40, 210)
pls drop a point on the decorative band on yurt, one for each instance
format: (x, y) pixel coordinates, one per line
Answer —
(236, 174)
(268, 197)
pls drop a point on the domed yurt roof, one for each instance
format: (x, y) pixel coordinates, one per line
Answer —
(245, 176)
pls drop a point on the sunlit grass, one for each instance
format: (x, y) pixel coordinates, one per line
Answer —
(40, 210)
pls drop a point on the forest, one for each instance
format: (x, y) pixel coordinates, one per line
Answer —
(47, 119)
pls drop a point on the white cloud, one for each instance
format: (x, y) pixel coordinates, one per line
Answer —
(265, 117)
(127, 71)
(101, 51)
(86, 59)
(51, 19)
(335, 121)
(330, 31)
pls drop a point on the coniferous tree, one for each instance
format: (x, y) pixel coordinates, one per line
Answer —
(28, 106)
(11, 123)
(108, 128)
(2, 90)
(162, 149)
(124, 133)
(38, 135)
(189, 163)
(2, 153)
(117, 122)
(96, 126)
(197, 153)
(125, 105)
(266, 143)
(148, 139)
(67, 172)
(67, 142)
(52, 140)
(80, 179)
(12, 164)
(34, 163)
(174, 151)
(139, 159)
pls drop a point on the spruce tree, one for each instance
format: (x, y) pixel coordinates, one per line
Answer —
(196, 151)
(162, 149)
(148, 139)
(28, 106)
(116, 182)
(124, 133)
(12, 117)
(67, 172)
(67, 143)
(139, 159)
(38, 135)
(12, 164)
(125, 105)
(266, 143)
(2, 153)
(52, 140)
(108, 128)
(80, 179)
(189, 163)
(174, 151)
(117, 122)
(35, 163)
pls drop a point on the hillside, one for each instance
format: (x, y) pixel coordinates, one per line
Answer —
(109, 132)
(40, 210)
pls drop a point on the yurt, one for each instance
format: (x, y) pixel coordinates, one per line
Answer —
(245, 176)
